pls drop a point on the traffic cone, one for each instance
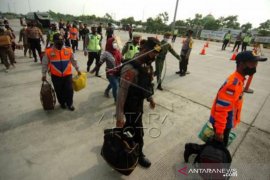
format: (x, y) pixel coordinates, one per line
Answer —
(203, 51)
(234, 56)
(206, 44)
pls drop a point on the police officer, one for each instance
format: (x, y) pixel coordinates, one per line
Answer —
(245, 42)
(135, 86)
(131, 48)
(50, 35)
(226, 40)
(92, 48)
(238, 42)
(24, 39)
(60, 60)
(227, 106)
(185, 53)
(165, 47)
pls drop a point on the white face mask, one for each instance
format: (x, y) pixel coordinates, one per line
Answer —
(166, 39)
(115, 45)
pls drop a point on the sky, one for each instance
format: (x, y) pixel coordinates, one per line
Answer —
(253, 11)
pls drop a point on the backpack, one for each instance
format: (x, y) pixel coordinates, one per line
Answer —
(120, 151)
(214, 155)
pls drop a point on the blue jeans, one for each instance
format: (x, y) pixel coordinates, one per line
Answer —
(113, 84)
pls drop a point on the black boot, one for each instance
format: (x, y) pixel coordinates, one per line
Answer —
(159, 87)
(143, 161)
(191, 148)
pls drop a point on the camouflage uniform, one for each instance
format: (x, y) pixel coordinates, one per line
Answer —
(165, 47)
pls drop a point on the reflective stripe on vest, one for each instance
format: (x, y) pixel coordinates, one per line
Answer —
(59, 61)
(94, 43)
(132, 50)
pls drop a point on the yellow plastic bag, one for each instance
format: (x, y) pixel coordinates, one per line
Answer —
(79, 82)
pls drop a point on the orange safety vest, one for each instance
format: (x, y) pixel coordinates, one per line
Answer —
(73, 33)
(59, 61)
(226, 109)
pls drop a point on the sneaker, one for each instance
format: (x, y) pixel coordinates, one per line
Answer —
(97, 75)
(144, 162)
(178, 72)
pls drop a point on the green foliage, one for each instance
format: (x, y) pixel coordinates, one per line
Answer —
(264, 28)
(246, 27)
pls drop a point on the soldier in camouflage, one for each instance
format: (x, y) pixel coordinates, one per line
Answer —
(165, 47)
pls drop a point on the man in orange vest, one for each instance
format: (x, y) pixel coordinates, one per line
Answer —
(226, 109)
(74, 36)
(60, 60)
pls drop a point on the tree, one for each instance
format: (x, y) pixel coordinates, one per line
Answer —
(246, 27)
(129, 20)
(108, 17)
(158, 24)
(231, 22)
(264, 28)
(164, 17)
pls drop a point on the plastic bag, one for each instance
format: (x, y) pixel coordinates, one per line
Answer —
(207, 133)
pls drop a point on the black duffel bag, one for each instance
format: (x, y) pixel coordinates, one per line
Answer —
(214, 155)
(120, 151)
(47, 96)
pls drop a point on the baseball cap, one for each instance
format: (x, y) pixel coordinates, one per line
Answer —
(249, 56)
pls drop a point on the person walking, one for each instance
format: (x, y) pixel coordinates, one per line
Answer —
(92, 49)
(109, 31)
(6, 49)
(34, 35)
(23, 38)
(51, 33)
(59, 60)
(226, 40)
(74, 37)
(112, 56)
(135, 86)
(131, 48)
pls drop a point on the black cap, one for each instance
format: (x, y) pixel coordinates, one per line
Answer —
(249, 56)
(152, 43)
